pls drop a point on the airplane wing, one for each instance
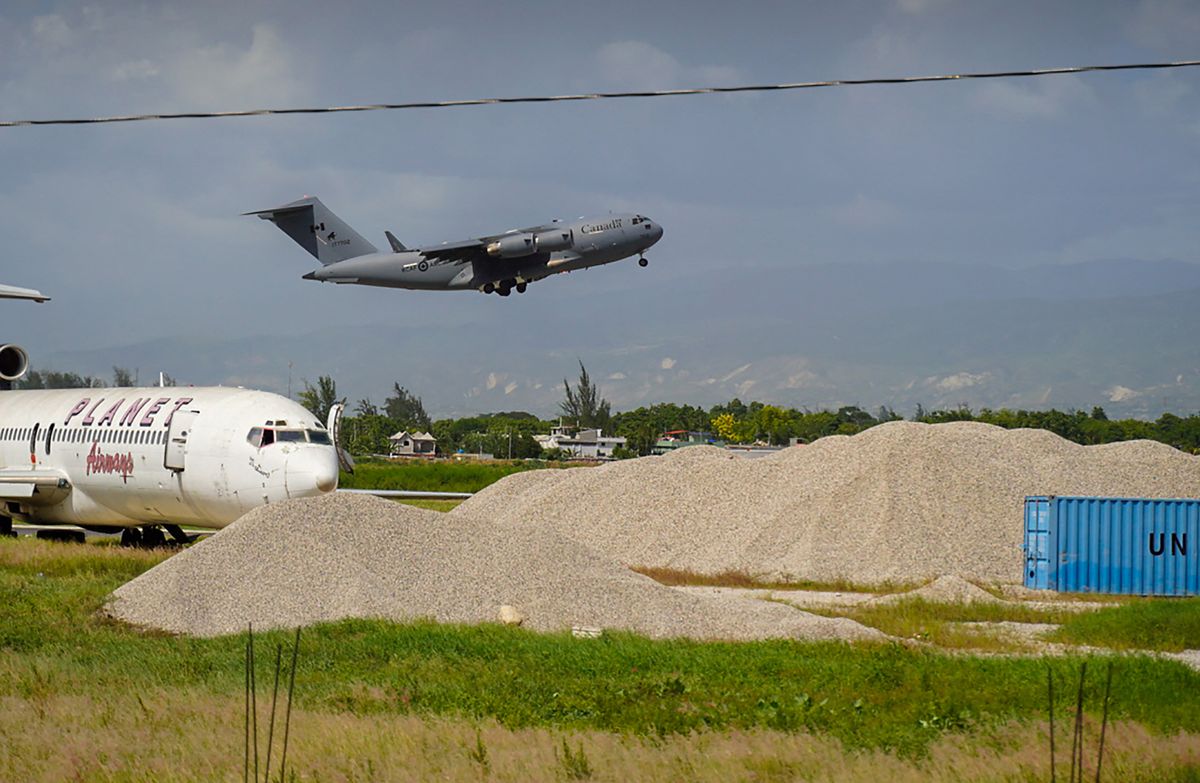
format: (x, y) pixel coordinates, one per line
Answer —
(471, 249)
(19, 484)
(12, 292)
(466, 250)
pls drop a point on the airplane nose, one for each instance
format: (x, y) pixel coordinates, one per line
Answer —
(311, 471)
(326, 479)
(656, 232)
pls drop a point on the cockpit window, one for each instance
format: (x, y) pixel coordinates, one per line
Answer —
(265, 436)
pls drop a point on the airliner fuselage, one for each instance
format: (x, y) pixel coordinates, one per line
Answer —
(109, 458)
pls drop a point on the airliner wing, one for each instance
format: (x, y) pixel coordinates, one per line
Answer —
(25, 484)
(467, 250)
(12, 292)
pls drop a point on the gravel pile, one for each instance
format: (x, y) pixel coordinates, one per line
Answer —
(900, 502)
(328, 558)
(949, 589)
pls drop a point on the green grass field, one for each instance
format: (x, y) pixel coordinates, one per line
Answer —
(433, 505)
(69, 675)
(436, 476)
(1171, 625)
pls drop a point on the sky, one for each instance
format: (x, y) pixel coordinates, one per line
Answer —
(136, 229)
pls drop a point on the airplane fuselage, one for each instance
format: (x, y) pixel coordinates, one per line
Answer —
(579, 244)
(126, 457)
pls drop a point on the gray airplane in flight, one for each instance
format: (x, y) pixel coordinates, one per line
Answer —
(498, 263)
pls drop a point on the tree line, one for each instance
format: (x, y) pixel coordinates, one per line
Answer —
(583, 406)
(367, 426)
(50, 379)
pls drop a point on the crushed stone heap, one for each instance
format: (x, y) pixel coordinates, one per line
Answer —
(900, 502)
(338, 556)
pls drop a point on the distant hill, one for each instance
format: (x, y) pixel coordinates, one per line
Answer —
(1122, 334)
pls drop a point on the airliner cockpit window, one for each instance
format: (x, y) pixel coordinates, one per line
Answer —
(254, 438)
(319, 436)
(290, 436)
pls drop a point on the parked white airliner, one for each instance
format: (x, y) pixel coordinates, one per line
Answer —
(140, 460)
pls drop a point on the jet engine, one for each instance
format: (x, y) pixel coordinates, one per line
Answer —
(553, 240)
(13, 364)
(512, 246)
(517, 245)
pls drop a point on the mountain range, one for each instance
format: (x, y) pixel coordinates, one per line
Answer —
(1121, 334)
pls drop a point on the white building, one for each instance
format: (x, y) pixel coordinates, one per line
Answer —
(584, 444)
(413, 444)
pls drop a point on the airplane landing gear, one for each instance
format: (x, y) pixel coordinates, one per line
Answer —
(151, 536)
(178, 536)
(6, 528)
(643, 261)
(504, 287)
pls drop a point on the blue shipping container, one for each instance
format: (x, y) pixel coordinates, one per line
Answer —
(1130, 546)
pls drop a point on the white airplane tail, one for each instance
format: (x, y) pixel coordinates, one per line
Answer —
(316, 229)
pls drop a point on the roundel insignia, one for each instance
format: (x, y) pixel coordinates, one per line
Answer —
(423, 266)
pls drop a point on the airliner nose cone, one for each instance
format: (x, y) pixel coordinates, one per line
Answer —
(312, 471)
(326, 479)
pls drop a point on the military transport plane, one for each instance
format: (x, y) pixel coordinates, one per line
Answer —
(141, 460)
(499, 263)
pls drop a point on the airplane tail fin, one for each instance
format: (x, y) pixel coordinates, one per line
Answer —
(316, 229)
(397, 245)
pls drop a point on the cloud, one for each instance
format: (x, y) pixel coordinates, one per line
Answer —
(1171, 26)
(511, 387)
(134, 70)
(920, 6)
(962, 380)
(667, 363)
(1162, 94)
(616, 376)
(735, 373)
(1120, 393)
(264, 74)
(1047, 96)
(1170, 231)
(52, 31)
(642, 65)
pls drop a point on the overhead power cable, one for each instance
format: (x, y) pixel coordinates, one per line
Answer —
(595, 96)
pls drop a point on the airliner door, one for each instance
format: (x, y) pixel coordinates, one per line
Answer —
(177, 438)
(334, 425)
